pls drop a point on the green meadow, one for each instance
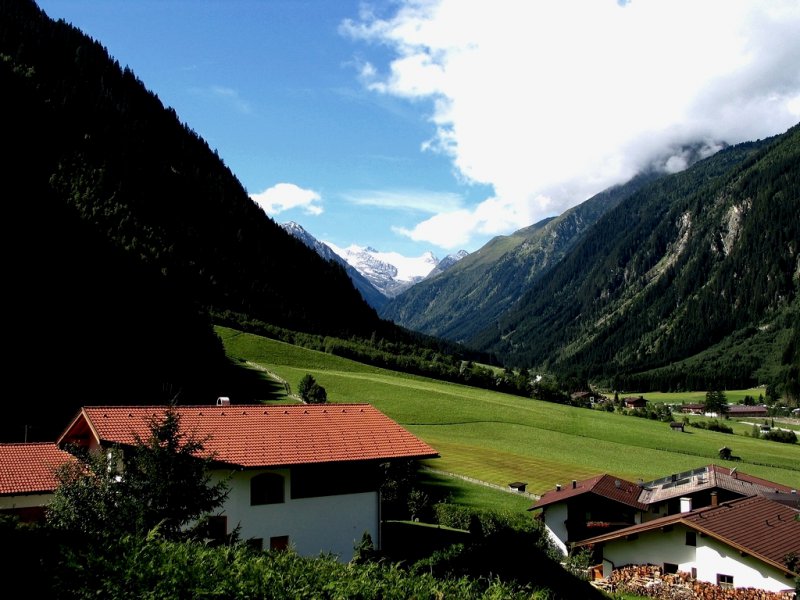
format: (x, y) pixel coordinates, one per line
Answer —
(499, 438)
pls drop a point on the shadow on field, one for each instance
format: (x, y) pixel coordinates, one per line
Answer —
(409, 542)
(247, 385)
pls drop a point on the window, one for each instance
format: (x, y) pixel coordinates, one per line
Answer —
(266, 488)
(279, 542)
(255, 543)
(725, 581)
(670, 568)
(691, 538)
(217, 528)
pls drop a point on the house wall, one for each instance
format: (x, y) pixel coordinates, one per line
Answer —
(714, 557)
(654, 547)
(24, 501)
(555, 522)
(710, 558)
(314, 525)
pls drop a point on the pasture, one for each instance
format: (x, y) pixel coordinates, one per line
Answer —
(499, 438)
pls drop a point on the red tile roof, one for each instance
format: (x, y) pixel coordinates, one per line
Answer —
(260, 435)
(30, 468)
(753, 525)
(606, 486)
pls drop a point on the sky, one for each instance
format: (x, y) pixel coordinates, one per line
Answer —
(416, 125)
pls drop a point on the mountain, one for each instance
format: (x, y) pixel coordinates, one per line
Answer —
(691, 282)
(447, 262)
(389, 272)
(478, 289)
(125, 232)
(369, 292)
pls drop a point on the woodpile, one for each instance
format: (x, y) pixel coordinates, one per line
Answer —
(650, 582)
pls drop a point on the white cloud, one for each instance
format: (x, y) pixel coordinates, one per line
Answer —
(550, 102)
(286, 196)
(414, 200)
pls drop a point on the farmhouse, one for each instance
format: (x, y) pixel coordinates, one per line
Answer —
(588, 507)
(632, 402)
(747, 542)
(27, 478)
(302, 475)
(604, 503)
(693, 409)
(701, 487)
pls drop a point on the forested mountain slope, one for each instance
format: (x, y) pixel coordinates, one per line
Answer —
(473, 293)
(123, 229)
(697, 259)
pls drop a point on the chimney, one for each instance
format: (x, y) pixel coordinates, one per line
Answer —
(686, 504)
(714, 499)
(574, 484)
(558, 487)
(223, 401)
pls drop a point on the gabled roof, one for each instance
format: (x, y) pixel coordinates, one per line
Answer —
(260, 435)
(604, 486)
(30, 468)
(705, 478)
(754, 525)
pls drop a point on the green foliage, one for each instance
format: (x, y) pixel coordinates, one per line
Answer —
(157, 568)
(781, 435)
(712, 425)
(162, 482)
(310, 391)
(716, 402)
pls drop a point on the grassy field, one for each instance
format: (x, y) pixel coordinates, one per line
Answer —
(500, 438)
(733, 396)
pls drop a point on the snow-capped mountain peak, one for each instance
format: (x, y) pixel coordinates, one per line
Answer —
(389, 272)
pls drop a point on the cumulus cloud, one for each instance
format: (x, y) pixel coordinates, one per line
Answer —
(550, 102)
(286, 196)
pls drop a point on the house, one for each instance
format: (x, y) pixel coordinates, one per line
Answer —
(747, 542)
(632, 402)
(605, 503)
(742, 410)
(585, 508)
(27, 478)
(693, 409)
(699, 487)
(302, 475)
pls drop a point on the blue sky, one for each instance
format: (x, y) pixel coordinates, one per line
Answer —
(414, 125)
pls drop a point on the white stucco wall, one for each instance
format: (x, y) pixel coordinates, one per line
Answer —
(314, 525)
(655, 547)
(555, 517)
(713, 557)
(24, 501)
(710, 557)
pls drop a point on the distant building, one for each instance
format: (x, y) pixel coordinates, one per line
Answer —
(605, 503)
(741, 410)
(632, 402)
(740, 543)
(28, 478)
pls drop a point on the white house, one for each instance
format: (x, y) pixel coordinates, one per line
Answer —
(748, 542)
(302, 475)
(603, 503)
(27, 477)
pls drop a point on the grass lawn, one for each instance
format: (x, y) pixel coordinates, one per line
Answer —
(501, 438)
(733, 396)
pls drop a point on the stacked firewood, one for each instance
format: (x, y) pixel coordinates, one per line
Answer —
(650, 582)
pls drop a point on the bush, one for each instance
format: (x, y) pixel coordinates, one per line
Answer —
(781, 435)
(712, 425)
